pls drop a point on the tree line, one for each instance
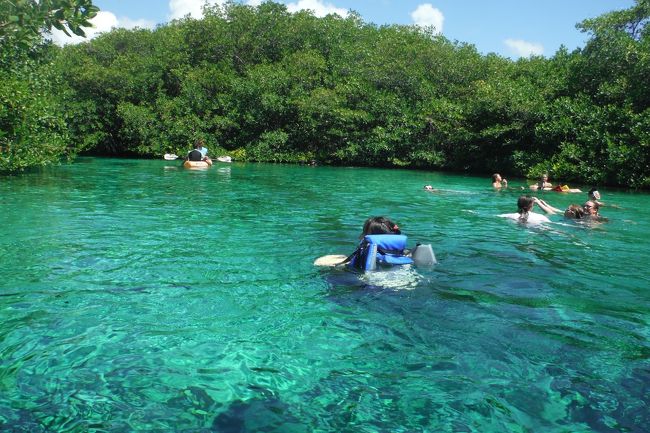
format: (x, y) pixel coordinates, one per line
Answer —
(263, 84)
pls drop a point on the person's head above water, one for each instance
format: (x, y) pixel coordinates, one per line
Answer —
(591, 208)
(525, 204)
(496, 177)
(574, 212)
(379, 226)
(593, 194)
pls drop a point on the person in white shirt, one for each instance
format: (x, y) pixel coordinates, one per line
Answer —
(525, 213)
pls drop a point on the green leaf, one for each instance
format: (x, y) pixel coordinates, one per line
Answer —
(58, 25)
(78, 31)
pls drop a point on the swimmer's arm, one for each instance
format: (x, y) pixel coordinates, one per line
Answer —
(546, 207)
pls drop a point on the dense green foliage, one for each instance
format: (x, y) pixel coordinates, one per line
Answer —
(33, 127)
(33, 130)
(264, 84)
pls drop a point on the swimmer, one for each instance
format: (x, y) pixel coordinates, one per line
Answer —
(375, 249)
(546, 207)
(594, 195)
(591, 209)
(525, 212)
(575, 212)
(379, 226)
(543, 184)
(429, 188)
(372, 226)
(498, 181)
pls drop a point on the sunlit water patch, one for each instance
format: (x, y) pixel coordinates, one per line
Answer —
(138, 296)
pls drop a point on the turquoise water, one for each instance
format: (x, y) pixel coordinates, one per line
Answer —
(138, 296)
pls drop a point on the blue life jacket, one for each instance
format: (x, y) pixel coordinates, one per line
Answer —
(380, 249)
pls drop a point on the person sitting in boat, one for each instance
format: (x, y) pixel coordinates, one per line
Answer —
(202, 148)
(196, 154)
(381, 243)
(498, 181)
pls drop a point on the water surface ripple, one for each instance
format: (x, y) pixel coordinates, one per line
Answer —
(138, 296)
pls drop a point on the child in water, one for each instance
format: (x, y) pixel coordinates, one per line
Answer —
(372, 226)
(379, 226)
(375, 249)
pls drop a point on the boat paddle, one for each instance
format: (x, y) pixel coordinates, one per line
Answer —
(330, 260)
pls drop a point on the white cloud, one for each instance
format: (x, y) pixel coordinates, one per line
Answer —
(523, 48)
(254, 3)
(104, 21)
(319, 8)
(128, 23)
(180, 8)
(426, 15)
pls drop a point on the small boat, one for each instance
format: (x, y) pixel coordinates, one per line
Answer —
(197, 164)
(224, 159)
(170, 156)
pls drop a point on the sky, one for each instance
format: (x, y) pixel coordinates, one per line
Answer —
(510, 28)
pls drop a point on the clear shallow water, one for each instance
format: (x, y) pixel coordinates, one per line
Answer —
(137, 296)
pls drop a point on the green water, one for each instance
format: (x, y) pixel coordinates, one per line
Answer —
(137, 296)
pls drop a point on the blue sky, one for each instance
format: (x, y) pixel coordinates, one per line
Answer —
(511, 28)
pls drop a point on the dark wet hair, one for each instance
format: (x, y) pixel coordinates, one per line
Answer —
(379, 226)
(593, 193)
(574, 212)
(494, 177)
(524, 204)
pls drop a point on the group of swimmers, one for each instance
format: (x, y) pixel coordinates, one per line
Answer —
(589, 210)
(389, 250)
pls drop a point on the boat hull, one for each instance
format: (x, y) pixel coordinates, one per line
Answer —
(197, 164)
